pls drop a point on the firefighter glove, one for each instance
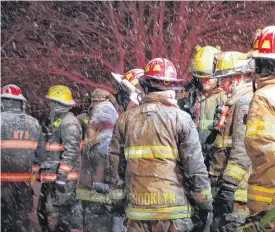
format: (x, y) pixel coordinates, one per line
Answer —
(61, 179)
(202, 219)
(224, 201)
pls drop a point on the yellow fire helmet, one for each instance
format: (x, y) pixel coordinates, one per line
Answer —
(232, 63)
(61, 94)
(202, 63)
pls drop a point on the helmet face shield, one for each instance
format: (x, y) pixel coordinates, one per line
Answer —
(232, 64)
(201, 74)
(264, 66)
(158, 84)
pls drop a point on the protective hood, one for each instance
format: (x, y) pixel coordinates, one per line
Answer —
(239, 92)
(261, 82)
(165, 97)
(11, 105)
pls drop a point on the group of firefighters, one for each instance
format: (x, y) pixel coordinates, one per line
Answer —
(199, 157)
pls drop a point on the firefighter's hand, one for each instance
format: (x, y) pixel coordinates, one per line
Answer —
(61, 179)
(224, 201)
(202, 219)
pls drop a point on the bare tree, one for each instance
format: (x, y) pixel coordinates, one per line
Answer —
(79, 43)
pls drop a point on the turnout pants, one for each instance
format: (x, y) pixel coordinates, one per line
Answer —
(96, 217)
(53, 217)
(231, 222)
(16, 203)
(176, 225)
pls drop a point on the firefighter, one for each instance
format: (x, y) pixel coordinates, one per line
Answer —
(22, 144)
(161, 167)
(260, 135)
(202, 97)
(130, 92)
(59, 172)
(83, 116)
(92, 190)
(230, 165)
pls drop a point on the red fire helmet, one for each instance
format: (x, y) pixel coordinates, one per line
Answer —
(133, 75)
(12, 92)
(264, 43)
(161, 74)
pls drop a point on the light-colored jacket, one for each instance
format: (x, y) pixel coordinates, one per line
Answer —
(260, 146)
(155, 156)
(230, 162)
(95, 160)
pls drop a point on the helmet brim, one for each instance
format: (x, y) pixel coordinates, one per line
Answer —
(270, 56)
(66, 103)
(144, 77)
(10, 96)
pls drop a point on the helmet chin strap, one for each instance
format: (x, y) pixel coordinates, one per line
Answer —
(24, 107)
(254, 85)
(232, 88)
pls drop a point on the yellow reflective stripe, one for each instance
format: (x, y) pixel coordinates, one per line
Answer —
(204, 124)
(261, 189)
(117, 194)
(241, 195)
(86, 195)
(150, 152)
(261, 127)
(223, 141)
(259, 193)
(234, 171)
(57, 122)
(159, 210)
(203, 196)
(149, 216)
(86, 120)
(158, 213)
(259, 198)
(207, 193)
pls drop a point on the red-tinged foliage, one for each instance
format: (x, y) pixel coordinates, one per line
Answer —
(79, 43)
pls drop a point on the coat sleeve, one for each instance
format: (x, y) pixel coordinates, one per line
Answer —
(259, 142)
(71, 134)
(117, 163)
(193, 162)
(40, 152)
(238, 162)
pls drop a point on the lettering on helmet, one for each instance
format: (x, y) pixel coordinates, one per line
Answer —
(153, 198)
